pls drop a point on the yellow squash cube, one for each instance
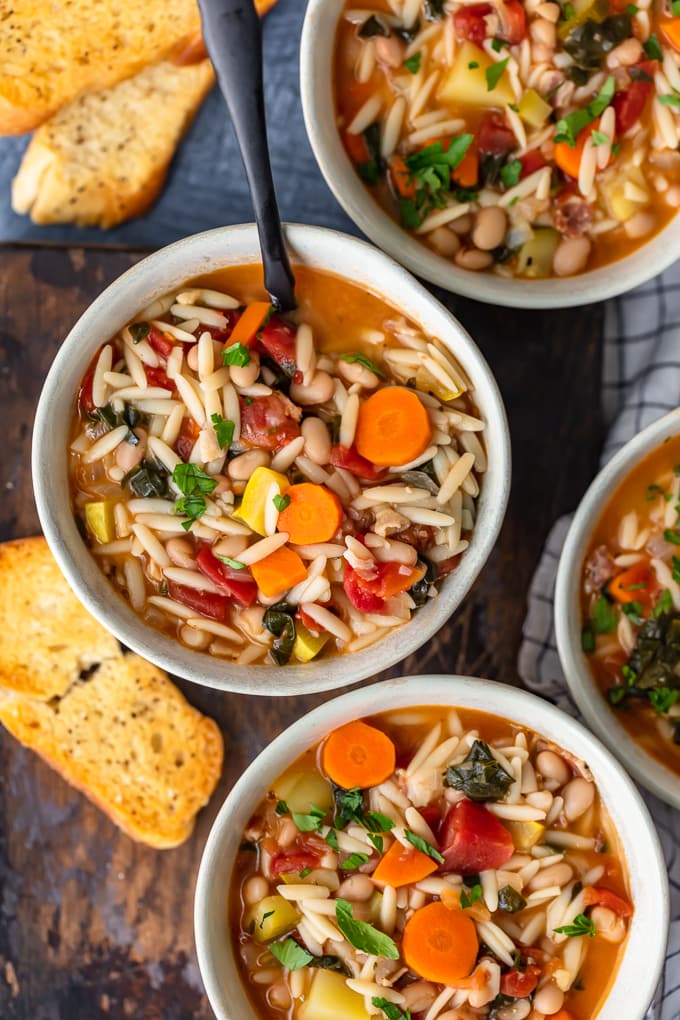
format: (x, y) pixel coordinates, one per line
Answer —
(308, 645)
(534, 110)
(466, 83)
(99, 520)
(270, 918)
(304, 790)
(251, 510)
(329, 998)
(525, 834)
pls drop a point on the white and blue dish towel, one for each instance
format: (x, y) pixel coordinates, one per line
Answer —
(641, 382)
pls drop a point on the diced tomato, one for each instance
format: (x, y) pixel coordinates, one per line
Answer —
(188, 434)
(629, 104)
(393, 578)
(518, 984)
(356, 147)
(360, 597)
(432, 816)
(268, 423)
(598, 896)
(473, 840)
(306, 621)
(160, 342)
(278, 340)
(205, 603)
(293, 861)
(238, 584)
(469, 22)
(531, 162)
(494, 137)
(85, 398)
(513, 21)
(447, 566)
(635, 584)
(347, 457)
(157, 377)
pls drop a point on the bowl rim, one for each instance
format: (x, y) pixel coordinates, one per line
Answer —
(325, 249)
(316, 72)
(647, 770)
(640, 842)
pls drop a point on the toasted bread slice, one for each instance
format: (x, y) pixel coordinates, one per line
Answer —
(104, 158)
(47, 637)
(130, 741)
(51, 53)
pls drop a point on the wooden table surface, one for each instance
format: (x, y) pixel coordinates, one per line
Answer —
(93, 925)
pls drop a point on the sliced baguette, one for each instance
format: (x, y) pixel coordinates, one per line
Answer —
(128, 739)
(51, 53)
(47, 637)
(103, 158)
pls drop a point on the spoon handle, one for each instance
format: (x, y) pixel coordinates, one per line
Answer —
(233, 39)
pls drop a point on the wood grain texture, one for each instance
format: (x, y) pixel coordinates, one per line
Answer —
(94, 926)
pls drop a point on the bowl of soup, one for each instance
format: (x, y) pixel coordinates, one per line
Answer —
(402, 851)
(617, 606)
(520, 153)
(262, 502)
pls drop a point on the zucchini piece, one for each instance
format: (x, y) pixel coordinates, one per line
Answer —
(252, 507)
(536, 255)
(270, 918)
(466, 85)
(534, 110)
(99, 520)
(329, 998)
(525, 834)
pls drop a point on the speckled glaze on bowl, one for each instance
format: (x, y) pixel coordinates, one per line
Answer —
(316, 88)
(644, 953)
(169, 268)
(597, 712)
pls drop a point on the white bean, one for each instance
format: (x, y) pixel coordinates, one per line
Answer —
(463, 225)
(389, 50)
(180, 552)
(571, 256)
(444, 241)
(194, 638)
(556, 874)
(318, 391)
(551, 766)
(578, 797)
(640, 224)
(128, 455)
(607, 924)
(419, 996)
(241, 468)
(490, 226)
(548, 1000)
(317, 441)
(626, 54)
(543, 32)
(357, 888)
(278, 996)
(245, 375)
(473, 259)
(355, 372)
(255, 889)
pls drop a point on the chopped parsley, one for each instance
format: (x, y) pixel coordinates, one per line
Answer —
(467, 899)
(498, 44)
(669, 100)
(363, 936)
(353, 861)
(603, 616)
(510, 173)
(355, 357)
(616, 694)
(194, 485)
(425, 848)
(390, 1009)
(305, 872)
(656, 490)
(633, 611)
(430, 171)
(473, 65)
(662, 699)
(632, 9)
(290, 954)
(676, 560)
(653, 48)
(675, 8)
(581, 925)
(664, 605)
(569, 128)
(413, 63)
(588, 639)
(281, 502)
(224, 430)
(237, 354)
(235, 565)
(495, 73)
(568, 12)
(281, 808)
(600, 138)
(311, 822)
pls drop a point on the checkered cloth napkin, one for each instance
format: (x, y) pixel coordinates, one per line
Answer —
(641, 382)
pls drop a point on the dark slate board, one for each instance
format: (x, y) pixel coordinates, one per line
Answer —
(206, 186)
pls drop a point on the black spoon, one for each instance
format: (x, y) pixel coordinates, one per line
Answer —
(233, 39)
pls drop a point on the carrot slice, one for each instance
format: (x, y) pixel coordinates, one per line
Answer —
(356, 147)
(358, 755)
(440, 944)
(568, 158)
(247, 326)
(671, 30)
(314, 514)
(401, 178)
(466, 174)
(637, 584)
(563, 1014)
(393, 427)
(279, 571)
(403, 865)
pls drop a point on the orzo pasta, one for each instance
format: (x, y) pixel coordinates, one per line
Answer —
(631, 603)
(272, 488)
(430, 863)
(525, 137)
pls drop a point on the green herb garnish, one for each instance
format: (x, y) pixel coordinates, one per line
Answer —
(363, 936)
(311, 822)
(467, 899)
(425, 848)
(237, 354)
(653, 48)
(662, 699)
(224, 430)
(413, 63)
(569, 128)
(494, 73)
(664, 605)
(672, 536)
(353, 862)
(510, 173)
(234, 564)
(356, 357)
(290, 954)
(603, 616)
(390, 1009)
(281, 502)
(588, 639)
(581, 925)
(195, 486)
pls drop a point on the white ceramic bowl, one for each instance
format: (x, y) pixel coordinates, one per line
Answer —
(316, 87)
(156, 275)
(644, 953)
(568, 623)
